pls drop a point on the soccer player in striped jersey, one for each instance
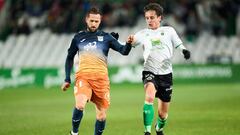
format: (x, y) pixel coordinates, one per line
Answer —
(158, 43)
(91, 79)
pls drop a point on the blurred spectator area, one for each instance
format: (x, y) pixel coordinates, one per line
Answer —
(189, 17)
(209, 28)
(1, 4)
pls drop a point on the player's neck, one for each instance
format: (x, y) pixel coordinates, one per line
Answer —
(88, 30)
(154, 28)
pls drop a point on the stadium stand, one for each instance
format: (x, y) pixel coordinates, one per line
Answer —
(46, 49)
(46, 44)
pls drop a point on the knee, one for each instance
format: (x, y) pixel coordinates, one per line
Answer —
(149, 92)
(80, 106)
(149, 99)
(163, 115)
(101, 116)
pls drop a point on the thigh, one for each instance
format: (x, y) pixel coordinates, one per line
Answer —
(149, 82)
(148, 76)
(164, 87)
(82, 92)
(101, 91)
(150, 92)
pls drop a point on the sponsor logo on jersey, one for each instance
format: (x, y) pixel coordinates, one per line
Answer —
(90, 46)
(155, 42)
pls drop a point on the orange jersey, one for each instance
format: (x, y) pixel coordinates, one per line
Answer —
(91, 64)
(93, 48)
(92, 74)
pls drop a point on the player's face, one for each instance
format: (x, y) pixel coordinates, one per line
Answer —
(153, 21)
(93, 21)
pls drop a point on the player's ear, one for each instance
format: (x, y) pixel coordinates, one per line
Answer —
(86, 18)
(160, 18)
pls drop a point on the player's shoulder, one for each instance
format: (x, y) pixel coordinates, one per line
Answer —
(80, 33)
(142, 31)
(103, 33)
(167, 28)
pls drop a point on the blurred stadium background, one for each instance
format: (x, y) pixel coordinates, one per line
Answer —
(35, 35)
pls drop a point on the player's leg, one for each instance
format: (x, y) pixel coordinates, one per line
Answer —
(82, 93)
(101, 98)
(81, 101)
(100, 120)
(163, 108)
(102, 101)
(148, 109)
(164, 92)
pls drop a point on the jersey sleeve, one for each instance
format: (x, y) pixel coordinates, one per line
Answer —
(72, 50)
(137, 39)
(117, 46)
(175, 38)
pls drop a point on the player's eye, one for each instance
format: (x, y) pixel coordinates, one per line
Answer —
(152, 17)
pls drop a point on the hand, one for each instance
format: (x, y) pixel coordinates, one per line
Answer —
(65, 86)
(186, 54)
(130, 39)
(115, 35)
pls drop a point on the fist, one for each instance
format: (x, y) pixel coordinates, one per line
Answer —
(65, 86)
(130, 39)
(115, 35)
(186, 54)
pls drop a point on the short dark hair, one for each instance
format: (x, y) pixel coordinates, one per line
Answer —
(154, 6)
(93, 10)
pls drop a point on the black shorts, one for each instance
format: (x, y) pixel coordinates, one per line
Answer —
(162, 83)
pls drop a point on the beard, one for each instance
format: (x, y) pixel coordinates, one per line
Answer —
(92, 29)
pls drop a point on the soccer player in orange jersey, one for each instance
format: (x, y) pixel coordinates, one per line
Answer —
(91, 79)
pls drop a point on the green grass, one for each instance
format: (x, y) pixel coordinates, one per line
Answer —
(199, 109)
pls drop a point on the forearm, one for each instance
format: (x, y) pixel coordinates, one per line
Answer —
(68, 68)
(180, 47)
(123, 49)
(126, 49)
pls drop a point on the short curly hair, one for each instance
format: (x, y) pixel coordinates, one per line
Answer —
(154, 6)
(93, 10)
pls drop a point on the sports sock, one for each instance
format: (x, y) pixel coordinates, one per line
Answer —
(72, 133)
(160, 123)
(76, 119)
(148, 113)
(99, 127)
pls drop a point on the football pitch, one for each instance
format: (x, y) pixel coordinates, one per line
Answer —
(196, 109)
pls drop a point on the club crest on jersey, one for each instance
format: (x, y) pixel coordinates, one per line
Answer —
(100, 38)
